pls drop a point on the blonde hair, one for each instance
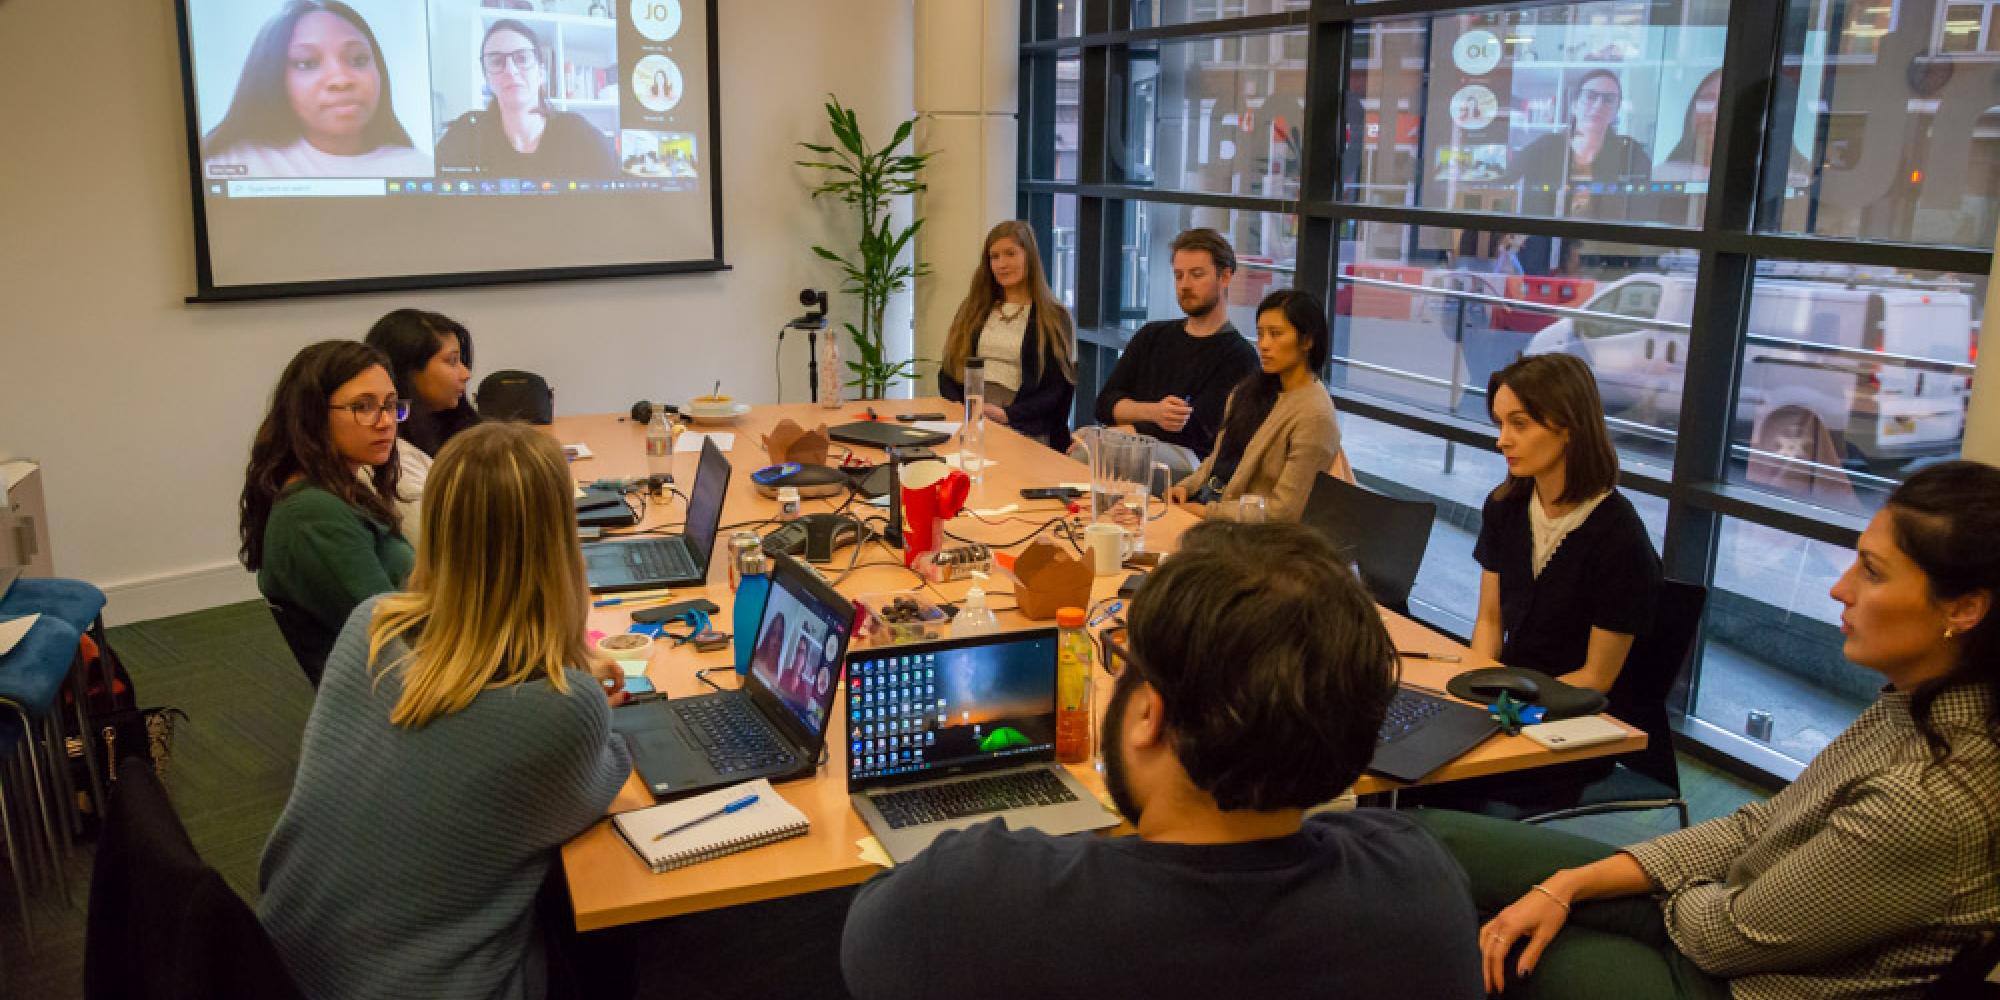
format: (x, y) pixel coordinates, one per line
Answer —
(1051, 319)
(498, 596)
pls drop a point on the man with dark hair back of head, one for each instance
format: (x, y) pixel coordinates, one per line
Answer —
(1173, 379)
(1257, 676)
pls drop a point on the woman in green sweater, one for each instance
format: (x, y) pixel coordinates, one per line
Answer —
(1279, 430)
(318, 520)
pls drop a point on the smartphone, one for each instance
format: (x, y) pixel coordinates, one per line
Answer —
(639, 684)
(1131, 585)
(675, 610)
(1050, 493)
(911, 418)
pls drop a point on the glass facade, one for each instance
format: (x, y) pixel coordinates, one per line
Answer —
(1765, 228)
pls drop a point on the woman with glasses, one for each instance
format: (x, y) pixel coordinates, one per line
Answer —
(519, 133)
(313, 101)
(430, 360)
(1573, 173)
(318, 523)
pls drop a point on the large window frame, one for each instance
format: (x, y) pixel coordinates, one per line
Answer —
(1728, 242)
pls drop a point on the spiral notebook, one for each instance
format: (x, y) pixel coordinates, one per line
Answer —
(770, 819)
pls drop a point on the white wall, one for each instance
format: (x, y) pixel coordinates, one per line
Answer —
(141, 407)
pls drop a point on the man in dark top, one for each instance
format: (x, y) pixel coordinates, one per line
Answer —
(1174, 378)
(1257, 677)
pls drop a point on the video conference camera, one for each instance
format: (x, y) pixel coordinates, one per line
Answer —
(815, 317)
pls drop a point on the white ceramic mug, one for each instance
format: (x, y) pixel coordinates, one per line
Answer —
(1106, 543)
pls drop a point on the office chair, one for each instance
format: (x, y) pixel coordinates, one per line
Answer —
(1384, 536)
(300, 640)
(1649, 778)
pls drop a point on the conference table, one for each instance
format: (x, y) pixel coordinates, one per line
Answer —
(609, 885)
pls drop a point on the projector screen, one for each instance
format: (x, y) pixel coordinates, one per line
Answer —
(380, 144)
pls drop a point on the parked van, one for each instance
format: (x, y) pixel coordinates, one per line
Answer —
(1880, 414)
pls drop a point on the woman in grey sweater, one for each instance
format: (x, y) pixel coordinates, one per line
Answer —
(460, 736)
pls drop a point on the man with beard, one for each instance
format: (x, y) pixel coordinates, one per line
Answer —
(1257, 676)
(1174, 378)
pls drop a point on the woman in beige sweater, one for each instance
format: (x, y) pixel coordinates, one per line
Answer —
(1279, 429)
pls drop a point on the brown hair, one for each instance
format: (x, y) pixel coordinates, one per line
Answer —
(1209, 242)
(1051, 319)
(1558, 392)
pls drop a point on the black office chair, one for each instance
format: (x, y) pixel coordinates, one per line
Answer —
(303, 640)
(162, 923)
(1384, 536)
(1968, 977)
(1649, 778)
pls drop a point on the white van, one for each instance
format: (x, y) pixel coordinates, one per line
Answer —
(1882, 413)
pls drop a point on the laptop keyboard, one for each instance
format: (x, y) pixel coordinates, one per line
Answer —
(1409, 711)
(937, 803)
(733, 735)
(661, 562)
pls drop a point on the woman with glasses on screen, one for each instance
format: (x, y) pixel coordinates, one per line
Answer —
(430, 360)
(519, 133)
(313, 101)
(318, 523)
(1570, 173)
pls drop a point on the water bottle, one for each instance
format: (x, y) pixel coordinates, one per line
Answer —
(975, 618)
(660, 450)
(829, 369)
(972, 437)
(1073, 679)
(752, 578)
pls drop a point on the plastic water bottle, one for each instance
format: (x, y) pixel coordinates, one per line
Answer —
(975, 618)
(753, 585)
(1073, 678)
(660, 450)
(972, 437)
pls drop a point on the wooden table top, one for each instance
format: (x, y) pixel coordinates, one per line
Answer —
(610, 886)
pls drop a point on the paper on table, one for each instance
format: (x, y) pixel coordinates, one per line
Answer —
(12, 631)
(633, 668)
(946, 427)
(578, 451)
(956, 460)
(871, 850)
(690, 441)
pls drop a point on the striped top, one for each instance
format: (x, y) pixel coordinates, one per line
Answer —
(1865, 877)
(407, 861)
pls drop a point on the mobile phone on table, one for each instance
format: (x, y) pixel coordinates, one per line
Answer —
(1050, 493)
(911, 418)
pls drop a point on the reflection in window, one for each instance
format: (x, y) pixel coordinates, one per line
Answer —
(1266, 246)
(1219, 115)
(1883, 138)
(1153, 13)
(1601, 111)
(1851, 377)
(1069, 76)
(1062, 255)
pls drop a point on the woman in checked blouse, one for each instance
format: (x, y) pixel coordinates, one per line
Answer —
(1865, 877)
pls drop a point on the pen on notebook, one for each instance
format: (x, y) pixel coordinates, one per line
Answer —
(737, 806)
(1414, 654)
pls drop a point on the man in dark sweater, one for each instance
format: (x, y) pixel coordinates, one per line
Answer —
(1257, 676)
(1174, 378)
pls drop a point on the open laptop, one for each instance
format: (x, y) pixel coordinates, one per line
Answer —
(774, 726)
(1423, 732)
(667, 560)
(943, 735)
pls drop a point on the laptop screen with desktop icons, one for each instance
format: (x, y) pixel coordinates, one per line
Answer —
(927, 710)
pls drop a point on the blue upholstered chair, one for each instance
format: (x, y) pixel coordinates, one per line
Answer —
(80, 605)
(31, 682)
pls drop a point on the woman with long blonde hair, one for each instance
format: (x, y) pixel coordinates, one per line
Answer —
(1012, 320)
(460, 736)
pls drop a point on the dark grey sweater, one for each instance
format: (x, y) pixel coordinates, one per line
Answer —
(407, 860)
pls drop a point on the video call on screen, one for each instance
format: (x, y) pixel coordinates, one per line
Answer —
(365, 138)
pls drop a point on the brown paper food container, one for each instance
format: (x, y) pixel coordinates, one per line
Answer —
(1049, 578)
(789, 442)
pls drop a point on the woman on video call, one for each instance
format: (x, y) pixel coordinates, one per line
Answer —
(1558, 169)
(519, 133)
(313, 101)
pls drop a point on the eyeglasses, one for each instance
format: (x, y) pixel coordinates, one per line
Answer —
(1113, 650)
(520, 59)
(1598, 97)
(368, 412)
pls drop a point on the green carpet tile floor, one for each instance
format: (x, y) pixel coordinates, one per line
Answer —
(247, 702)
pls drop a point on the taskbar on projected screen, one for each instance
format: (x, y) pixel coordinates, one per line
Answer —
(377, 187)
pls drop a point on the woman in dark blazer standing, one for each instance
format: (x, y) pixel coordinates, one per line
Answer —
(1012, 320)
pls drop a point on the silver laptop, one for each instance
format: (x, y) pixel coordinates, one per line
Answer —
(943, 735)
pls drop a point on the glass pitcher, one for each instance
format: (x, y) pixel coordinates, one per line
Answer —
(1122, 476)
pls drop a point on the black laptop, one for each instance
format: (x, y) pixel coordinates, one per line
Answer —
(667, 560)
(775, 724)
(1423, 732)
(886, 434)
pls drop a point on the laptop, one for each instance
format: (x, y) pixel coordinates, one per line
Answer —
(1423, 732)
(943, 735)
(886, 434)
(774, 726)
(669, 560)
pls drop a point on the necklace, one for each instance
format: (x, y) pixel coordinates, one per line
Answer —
(1009, 317)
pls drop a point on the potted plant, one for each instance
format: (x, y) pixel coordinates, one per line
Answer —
(866, 179)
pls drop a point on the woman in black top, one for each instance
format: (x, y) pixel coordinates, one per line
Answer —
(1029, 387)
(1560, 173)
(519, 133)
(430, 359)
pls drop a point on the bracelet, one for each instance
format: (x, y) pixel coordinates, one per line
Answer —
(1544, 890)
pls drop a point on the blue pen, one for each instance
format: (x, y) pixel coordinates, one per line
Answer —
(737, 806)
(1116, 606)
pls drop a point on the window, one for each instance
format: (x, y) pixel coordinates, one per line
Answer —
(1061, 253)
(1204, 117)
(1266, 246)
(1599, 111)
(1154, 13)
(1069, 72)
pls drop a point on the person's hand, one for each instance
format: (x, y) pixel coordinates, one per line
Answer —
(1172, 414)
(611, 677)
(1177, 495)
(1537, 917)
(996, 414)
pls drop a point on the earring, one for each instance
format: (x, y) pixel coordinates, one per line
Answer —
(1950, 633)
